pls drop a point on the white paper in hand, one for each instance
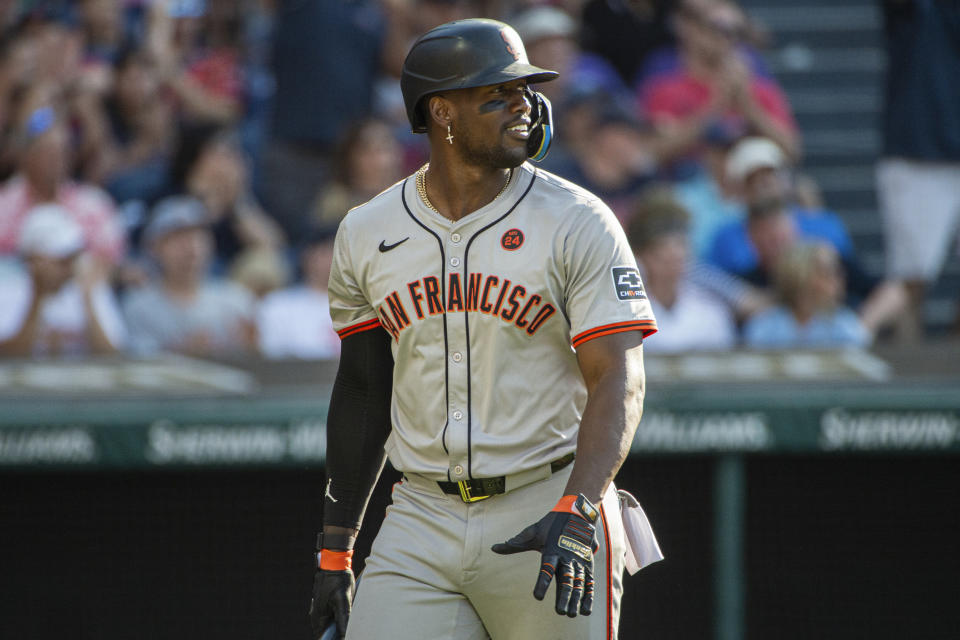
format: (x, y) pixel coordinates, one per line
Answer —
(642, 546)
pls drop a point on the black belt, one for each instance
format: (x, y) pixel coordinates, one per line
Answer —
(481, 488)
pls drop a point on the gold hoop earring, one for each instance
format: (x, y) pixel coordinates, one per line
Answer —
(449, 135)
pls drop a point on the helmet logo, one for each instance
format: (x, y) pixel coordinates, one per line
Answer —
(512, 239)
(514, 44)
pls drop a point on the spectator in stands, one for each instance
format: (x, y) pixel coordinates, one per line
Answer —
(617, 163)
(549, 36)
(40, 64)
(810, 287)
(259, 21)
(757, 172)
(9, 13)
(260, 271)
(918, 177)
(295, 322)
(58, 46)
(774, 231)
(184, 309)
(56, 301)
(15, 67)
(625, 32)
(102, 22)
(131, 157)
(712, 79)
(198, 55)
(689, 316)
(706, 196)
(320, 89)
(366, 162)
(41, 146)
(210, 165)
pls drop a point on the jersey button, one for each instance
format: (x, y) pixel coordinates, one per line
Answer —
(457, 415)
(454, 262)
(458, 470)
(455, 237)
(457, 357)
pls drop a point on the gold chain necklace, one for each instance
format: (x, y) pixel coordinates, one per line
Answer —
(421, 181)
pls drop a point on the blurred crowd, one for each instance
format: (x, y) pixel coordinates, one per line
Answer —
(172, 172)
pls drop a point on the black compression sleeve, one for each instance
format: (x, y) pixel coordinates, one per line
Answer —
(358, 424)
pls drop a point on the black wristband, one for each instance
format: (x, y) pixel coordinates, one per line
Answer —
(335, 541)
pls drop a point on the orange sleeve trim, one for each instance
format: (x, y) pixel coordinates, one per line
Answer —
(336, 560)
(566, 504)
(648, 327)
(357, 328)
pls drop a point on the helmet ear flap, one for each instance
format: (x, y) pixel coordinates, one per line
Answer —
(541, 129)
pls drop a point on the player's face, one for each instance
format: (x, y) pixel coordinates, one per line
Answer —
(492, 124)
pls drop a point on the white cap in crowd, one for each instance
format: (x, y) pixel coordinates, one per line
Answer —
(50, 231)
(751, 154)
(173, 214)
(543, 22)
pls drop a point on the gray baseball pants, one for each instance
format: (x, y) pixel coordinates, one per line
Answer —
(431, 573)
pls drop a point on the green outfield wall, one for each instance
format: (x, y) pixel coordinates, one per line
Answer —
(269, 430)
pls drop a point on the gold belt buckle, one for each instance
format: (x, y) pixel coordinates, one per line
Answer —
(464, 487)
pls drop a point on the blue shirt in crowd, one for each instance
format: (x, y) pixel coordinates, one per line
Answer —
(777, 328)
(732, 251)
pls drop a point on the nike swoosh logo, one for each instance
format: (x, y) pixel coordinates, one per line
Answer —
(384, 247)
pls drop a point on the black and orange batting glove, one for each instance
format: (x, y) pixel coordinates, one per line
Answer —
(567, 539)
(333, 586)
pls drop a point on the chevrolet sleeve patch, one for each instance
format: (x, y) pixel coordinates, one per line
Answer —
(626, 281)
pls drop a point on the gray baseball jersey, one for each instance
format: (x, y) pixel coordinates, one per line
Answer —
(485, 315)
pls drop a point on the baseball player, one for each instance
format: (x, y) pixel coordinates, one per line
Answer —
(492, 320)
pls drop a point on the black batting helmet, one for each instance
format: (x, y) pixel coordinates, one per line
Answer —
(459, 55)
